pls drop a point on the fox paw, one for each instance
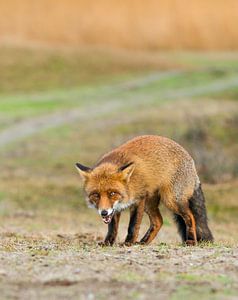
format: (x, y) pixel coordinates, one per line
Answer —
(190, 243)
(105, 244)
(128, 244)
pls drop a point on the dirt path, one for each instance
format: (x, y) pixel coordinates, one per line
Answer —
(115, 101)
(74, 267)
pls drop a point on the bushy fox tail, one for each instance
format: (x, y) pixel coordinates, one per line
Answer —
(198, 209)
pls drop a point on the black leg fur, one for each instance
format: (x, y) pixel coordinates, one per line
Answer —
(132, 223)
(112, 230)
(198, 208)
(181, 226)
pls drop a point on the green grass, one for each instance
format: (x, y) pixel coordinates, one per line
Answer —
(129, 276)
(222, 279)
(42, 206)
(45, 163)
(231, 94)
(31, 70)
(203, 286)
(204, 292)
(215, 60)
(38, 173)
(191, 78)
(35, 82)
(225, 209)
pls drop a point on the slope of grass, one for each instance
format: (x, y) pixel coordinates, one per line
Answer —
(31, 70)
(30, 85)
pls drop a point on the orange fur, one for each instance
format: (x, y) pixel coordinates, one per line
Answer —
(145, 170)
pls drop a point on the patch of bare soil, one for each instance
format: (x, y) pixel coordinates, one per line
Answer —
(73, 266)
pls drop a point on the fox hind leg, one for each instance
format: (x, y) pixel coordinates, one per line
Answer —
(183, 216)
(189, 220)
(136, 215)
(156, 220)
(182, 229)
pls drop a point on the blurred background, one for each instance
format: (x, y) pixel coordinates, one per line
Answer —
(78, 78)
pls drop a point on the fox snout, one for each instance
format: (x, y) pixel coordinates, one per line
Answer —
(106, 214)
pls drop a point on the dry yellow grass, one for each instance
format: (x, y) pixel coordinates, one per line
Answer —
(151, 24)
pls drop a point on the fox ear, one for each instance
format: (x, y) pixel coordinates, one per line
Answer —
(127, 170)
(83, 171)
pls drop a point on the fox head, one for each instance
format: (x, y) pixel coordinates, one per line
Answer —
(106, 187)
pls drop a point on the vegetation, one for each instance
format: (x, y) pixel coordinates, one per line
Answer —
(151, 25)
(46, 227)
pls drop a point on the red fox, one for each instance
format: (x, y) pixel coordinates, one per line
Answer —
(138, 175)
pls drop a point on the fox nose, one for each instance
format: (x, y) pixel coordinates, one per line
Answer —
(104, 213)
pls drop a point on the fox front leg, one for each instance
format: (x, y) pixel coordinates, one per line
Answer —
(112, 231)
(136, 215)
(155, 217)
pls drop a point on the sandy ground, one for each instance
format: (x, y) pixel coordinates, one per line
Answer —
(63, 264)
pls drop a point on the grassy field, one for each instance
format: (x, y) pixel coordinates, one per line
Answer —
(48, 236)
(150, 25)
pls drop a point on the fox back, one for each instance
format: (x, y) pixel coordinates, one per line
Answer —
(140, 169)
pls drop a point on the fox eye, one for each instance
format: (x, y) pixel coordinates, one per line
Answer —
(94, 196)
(113, 194)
